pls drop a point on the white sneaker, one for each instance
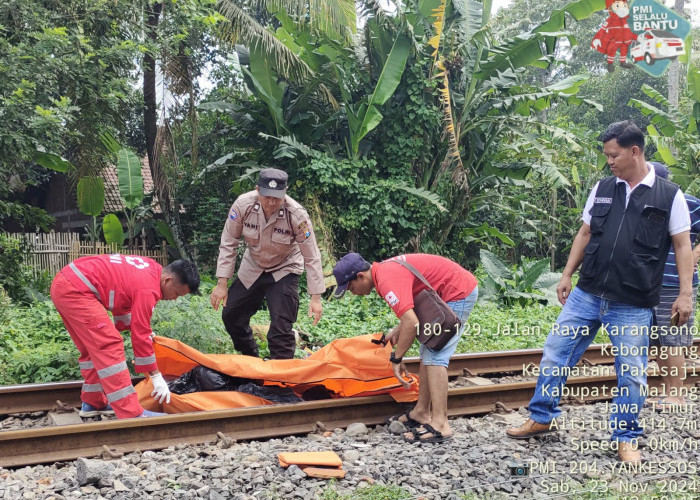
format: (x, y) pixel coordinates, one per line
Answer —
(147, 413)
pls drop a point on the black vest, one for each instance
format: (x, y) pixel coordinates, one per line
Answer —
(624, 259)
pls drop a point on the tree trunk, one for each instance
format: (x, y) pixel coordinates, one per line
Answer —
(553, 242)
(154, 143)
(674, 70)
(150, 116)
(456, 213)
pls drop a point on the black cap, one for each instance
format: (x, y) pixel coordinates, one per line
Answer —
(272, 182)
(346, 270)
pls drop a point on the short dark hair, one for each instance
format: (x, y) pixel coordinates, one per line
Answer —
(186, 273)
(626, 133)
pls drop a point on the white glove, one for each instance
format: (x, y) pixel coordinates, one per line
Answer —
(160, 388)
(596, 43)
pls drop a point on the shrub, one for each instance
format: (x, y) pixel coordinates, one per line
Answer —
(17, 278)
(35, 346)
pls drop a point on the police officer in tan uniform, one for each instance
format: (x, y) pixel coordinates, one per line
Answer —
(280, 245)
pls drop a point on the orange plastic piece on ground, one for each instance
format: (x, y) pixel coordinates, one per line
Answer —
(311, 458)
(320, 464)
(324, 473)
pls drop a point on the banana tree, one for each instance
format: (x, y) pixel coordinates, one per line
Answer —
(112, 230)
(675, 133)
(130, 188)
(485, 105)
(335, 17)
(364, 115)
(91, 201)
(90, 190)
(267, 85)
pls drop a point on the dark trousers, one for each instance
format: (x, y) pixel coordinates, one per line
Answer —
(283, 303)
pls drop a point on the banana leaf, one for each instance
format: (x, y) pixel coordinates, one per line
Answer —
(91, 195)
(112, 229)
(51, 160)
(364, 117)
(130, 178)
(264, 82)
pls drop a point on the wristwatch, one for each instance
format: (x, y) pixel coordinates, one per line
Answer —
(394, 359)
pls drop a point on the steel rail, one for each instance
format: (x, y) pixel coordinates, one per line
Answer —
(43, 397)
(51, 444)
(483, 363)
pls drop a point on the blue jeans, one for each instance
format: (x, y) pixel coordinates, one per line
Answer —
(462, 308)
(574, 330)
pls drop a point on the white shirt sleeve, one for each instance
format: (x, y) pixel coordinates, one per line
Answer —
(680, 217)
(586, 216)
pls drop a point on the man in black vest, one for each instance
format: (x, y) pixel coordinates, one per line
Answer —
(629, 223)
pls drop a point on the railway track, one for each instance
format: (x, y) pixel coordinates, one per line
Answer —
(51, 444)
(43, 397)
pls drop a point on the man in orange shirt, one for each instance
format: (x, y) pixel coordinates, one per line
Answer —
(398, 286)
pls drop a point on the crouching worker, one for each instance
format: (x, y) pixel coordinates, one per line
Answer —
(398, 285)
(129, 286)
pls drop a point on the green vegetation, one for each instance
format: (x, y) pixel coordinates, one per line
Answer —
(17, 279)
(374, 492)
(35, 347)
(641, 489)
(439, 128)
(525, 284)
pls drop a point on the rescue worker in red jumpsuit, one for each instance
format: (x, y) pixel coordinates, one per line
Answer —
(129, 286)
(615, 34)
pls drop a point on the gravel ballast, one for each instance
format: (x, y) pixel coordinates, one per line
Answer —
(477, 461)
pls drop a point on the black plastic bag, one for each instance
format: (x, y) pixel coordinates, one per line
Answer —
(317, 393)
(201, 379)
(271, 393)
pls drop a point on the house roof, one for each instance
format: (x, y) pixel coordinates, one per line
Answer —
(113, 200)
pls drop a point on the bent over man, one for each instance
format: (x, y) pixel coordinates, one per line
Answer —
(280, 245)
(398, 286)
(129, 286)
(629, 222)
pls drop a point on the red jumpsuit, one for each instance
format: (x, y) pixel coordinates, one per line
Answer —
(614, 35)
(83, 292)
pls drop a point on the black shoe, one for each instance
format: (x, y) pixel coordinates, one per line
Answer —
(611, 67)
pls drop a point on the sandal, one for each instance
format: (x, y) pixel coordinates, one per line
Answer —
(410, 422)
(418, 434)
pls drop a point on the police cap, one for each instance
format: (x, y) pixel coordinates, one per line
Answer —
(272, 182)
